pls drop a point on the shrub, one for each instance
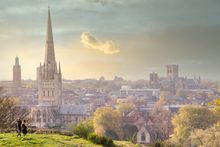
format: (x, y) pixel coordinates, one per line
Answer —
(83, 129)
(102, 140)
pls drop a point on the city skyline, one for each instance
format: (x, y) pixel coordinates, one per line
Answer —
(106, 38)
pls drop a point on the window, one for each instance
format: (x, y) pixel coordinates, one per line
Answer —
(38, 116)
(44, 116)
(143, 137)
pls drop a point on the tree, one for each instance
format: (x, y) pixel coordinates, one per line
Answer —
(162, 117)
(158, 107)
(209, 137)
(106, 118)
(10, 112)
(126, 107)
(189, 119)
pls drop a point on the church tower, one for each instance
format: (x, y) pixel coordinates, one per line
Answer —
(49, 77)
(16, 74)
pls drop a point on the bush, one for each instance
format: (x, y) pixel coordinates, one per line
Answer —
(83, 129)
(102, 140)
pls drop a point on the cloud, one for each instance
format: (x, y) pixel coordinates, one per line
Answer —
(107, 46)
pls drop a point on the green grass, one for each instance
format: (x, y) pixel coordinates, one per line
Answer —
(49, 140)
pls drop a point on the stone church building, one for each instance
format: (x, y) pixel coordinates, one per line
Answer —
(49, 111)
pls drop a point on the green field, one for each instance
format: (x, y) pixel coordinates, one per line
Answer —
(49, 140)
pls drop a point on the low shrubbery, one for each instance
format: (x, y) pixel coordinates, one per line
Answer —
(105, 141)
(85, 130)
(52, 131)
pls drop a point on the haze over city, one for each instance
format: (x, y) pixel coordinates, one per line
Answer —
(113, 73)
(128, 38)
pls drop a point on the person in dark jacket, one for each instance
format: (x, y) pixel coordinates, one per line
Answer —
(24, 128)
(18, 127)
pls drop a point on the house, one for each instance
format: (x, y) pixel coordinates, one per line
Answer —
(131, 117)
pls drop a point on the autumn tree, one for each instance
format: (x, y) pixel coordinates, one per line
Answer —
(189, 119)
(162, 117)
(126, 107)
(108, 120)
(209, 137)
(159, 105)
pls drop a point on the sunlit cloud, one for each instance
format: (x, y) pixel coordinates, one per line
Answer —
(107, 46)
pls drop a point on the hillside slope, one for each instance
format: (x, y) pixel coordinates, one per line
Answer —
(49, 140)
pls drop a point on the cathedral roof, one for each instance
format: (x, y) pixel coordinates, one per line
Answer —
(74, 109)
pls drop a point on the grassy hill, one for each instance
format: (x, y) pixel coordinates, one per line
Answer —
(50, 140)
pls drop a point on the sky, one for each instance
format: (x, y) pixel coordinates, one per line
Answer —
(128, 38)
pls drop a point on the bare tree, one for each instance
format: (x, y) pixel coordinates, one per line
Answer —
(10, 112)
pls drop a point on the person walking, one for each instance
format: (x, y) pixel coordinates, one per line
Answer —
(18, 127)
(24, 128)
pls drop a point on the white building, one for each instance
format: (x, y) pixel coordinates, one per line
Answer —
(144, 92)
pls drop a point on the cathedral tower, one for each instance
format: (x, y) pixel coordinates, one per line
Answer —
(49, 77)
(173, 72)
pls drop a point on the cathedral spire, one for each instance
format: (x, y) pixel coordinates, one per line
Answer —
(49, 54)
